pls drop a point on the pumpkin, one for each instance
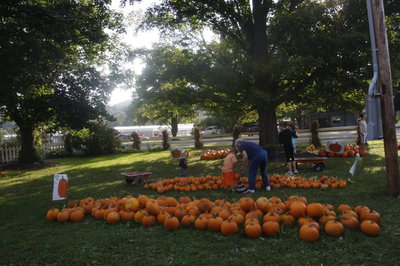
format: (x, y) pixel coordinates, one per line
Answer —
(298, 209)
(288, 220)
(263, 204)
(63, 216)
(171, 223)
(127, 215)
(343, 207)
(272, 216)
(229, 227)
(51, 214)
(315, 210)
(149, 220)
(334, 228)
(132, 204)
(224, 214)
(77, 216)
(188, 220)
(161, 217)
(214, 224)
(201, 223)
(370, 228)
(113, 218)
(309, 233)
(62, 187)
(370, 215)
(246, 203)
(142, 201)
(350, 222)
(270, 228)
(358, 209)
(237, 218)
(253, 230)
(139, 216)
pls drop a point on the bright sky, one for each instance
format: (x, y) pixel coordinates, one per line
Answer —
(144, 39)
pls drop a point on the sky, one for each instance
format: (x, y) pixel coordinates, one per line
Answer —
(136, 40)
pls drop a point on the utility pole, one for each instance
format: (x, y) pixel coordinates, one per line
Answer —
(387, 106)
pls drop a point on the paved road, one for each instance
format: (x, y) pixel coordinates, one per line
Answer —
(325, 136)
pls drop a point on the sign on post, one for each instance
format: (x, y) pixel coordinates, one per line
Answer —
(60, 186)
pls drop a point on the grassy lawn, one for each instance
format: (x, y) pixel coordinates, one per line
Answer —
(28, 239)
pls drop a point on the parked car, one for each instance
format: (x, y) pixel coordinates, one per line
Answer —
(250, 127)
(213, 130)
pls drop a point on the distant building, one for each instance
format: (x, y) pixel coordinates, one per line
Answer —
(332, 119)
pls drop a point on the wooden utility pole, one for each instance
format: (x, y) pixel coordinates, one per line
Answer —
(387, 106)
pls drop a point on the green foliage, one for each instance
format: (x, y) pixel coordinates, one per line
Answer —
(57, 153)
(97, 139)
(51, 52)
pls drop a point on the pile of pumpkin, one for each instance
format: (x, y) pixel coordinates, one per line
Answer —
(324, 182)
(214, 154)
(215, 182)
(350, 150)
(258, 217)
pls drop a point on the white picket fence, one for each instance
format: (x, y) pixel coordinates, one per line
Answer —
(10, 153)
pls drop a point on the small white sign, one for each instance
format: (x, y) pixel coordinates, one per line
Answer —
(60, 186)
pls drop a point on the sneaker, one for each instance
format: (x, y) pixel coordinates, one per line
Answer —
(295, 172)
(289, 173)
(268, 188)
(249, 191)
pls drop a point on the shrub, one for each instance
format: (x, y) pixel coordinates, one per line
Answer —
(166, 145)
(97, 139)
(136, 141)
(198, 143)
(57, 153)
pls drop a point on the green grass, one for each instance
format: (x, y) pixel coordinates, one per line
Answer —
(28, 239)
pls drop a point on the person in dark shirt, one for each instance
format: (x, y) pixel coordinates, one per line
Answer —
(255, 157)
(285, 138)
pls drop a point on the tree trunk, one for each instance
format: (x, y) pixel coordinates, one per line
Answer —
(267, 124)
(28, 151)
(174, 125)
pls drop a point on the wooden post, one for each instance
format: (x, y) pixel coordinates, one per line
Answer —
(387, 106)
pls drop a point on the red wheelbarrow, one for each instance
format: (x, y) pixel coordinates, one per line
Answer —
(138, 177)
(318, 161)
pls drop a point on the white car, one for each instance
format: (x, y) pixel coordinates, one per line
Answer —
(213, 130)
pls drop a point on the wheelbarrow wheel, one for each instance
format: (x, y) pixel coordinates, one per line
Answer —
(319, 167)
(139, 181)
(129, 181)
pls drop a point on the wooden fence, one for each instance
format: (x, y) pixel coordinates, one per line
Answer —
(10, 153)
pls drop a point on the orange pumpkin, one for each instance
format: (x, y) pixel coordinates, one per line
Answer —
(171, 223)
(370, 228)
(334, 228)
(229, 227)
(270, 228)
(253, 230)
(51, 214)
(309, 233)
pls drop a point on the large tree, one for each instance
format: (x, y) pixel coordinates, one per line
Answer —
(163, 90)
(297, 51)
(50, 56)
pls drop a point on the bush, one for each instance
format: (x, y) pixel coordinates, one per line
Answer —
(165, 137)
(135, 141)
(57, 153)
(97, 139)
(198, 143)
